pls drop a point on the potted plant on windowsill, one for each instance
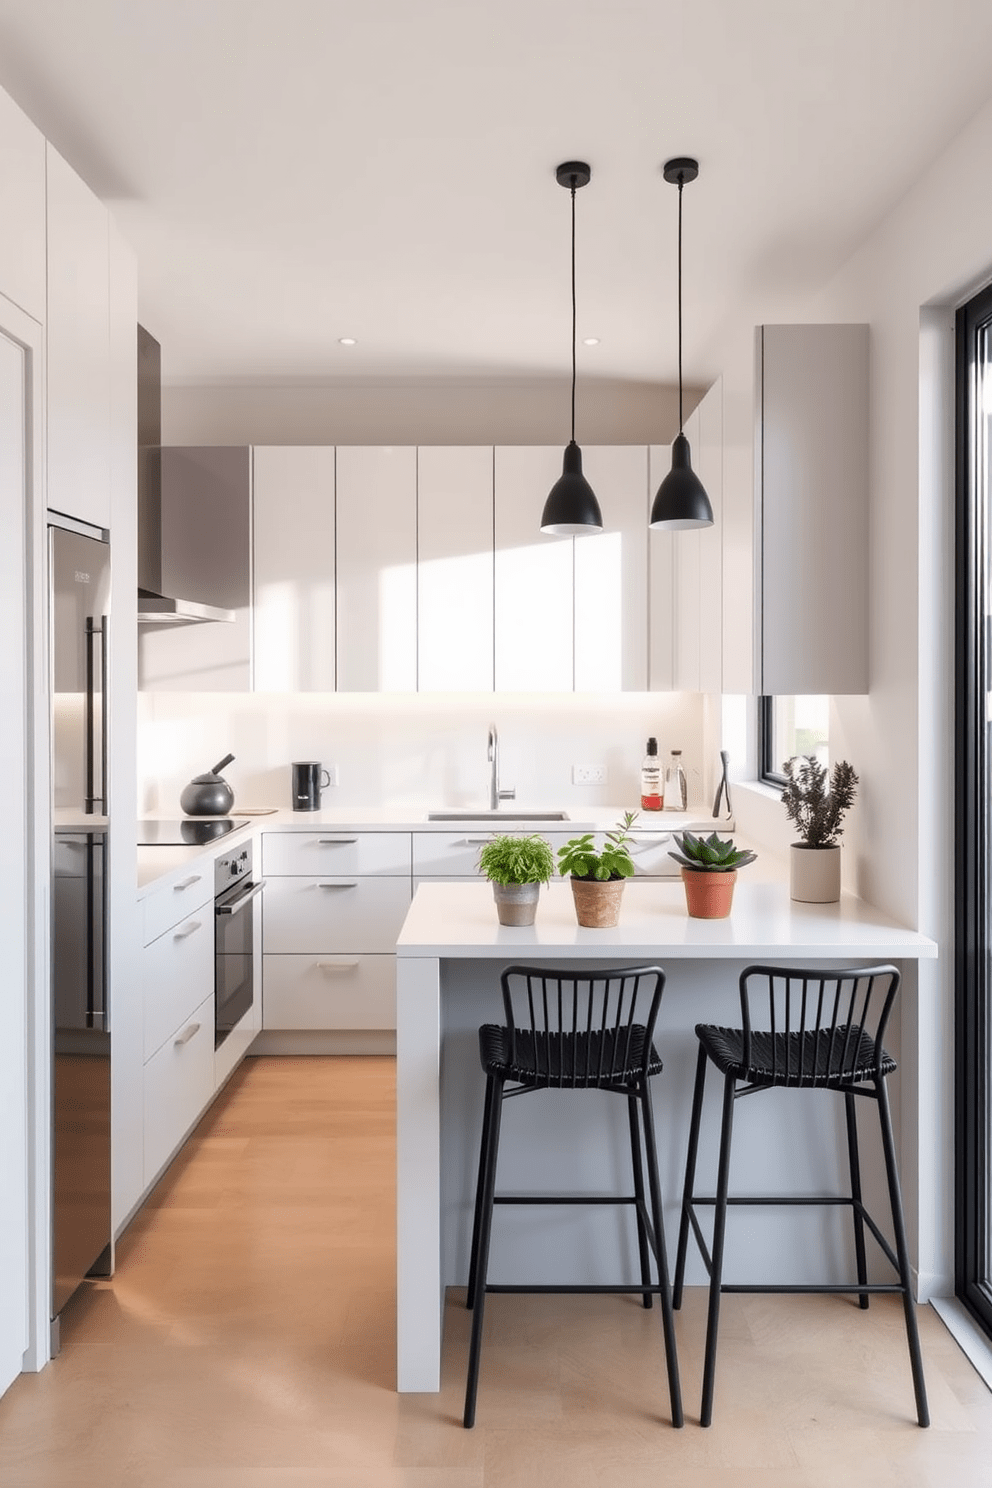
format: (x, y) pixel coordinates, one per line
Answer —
(816, 810)
(516, 867)
(597, 878)
(709, 872)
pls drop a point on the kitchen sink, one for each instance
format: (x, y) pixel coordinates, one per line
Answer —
(509, 817)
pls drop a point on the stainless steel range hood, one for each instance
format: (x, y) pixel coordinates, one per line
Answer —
(154, 607)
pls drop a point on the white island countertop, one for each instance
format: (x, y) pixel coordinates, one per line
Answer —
(448, 953)
(459, 920)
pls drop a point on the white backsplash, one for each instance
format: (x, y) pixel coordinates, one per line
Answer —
(425, 750)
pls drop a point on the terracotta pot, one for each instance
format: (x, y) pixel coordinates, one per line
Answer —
(597, 901)
(708, 896)
(516, 904)
(814, 873)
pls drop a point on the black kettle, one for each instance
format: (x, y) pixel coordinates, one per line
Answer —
(209, 794)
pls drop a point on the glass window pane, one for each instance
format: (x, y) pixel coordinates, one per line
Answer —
(800, 725)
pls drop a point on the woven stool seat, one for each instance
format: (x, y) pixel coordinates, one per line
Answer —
(830, 1057)
(568, 1061)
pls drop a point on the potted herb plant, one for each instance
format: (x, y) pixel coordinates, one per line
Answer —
(816, 800)
(709, 872)
(597, 878)
(516, 867)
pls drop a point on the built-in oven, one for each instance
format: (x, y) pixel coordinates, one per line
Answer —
(236, 896)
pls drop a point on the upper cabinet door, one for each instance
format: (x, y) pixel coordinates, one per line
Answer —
(377, 569)
(22, 220)
(661, 581)
(455, 569)
(78, 337)
(294, 608)
(611, 575)
(707, 457)
(811, 492)
(534, 577)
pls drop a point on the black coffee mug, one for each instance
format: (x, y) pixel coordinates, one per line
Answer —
(309, 778)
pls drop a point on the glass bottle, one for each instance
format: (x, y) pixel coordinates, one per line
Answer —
(652, 784)
(676, 791)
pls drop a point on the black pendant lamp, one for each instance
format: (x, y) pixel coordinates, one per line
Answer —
(681, 501)
(571, 507)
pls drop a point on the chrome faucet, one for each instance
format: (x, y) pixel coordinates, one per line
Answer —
(495, 794)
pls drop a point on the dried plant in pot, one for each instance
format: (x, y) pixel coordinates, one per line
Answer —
(516, 867)
(816, 801)
(597, 878)
(709, 872)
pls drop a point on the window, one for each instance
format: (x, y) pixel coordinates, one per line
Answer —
(788, 726)
(973, 820)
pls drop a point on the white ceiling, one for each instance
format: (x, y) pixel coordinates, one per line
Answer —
(293, 171)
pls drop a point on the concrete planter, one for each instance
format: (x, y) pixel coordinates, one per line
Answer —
(597, 901)
(516, 904)
(814, 874)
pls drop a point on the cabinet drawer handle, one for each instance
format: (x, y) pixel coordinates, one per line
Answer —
(186, 1035)
(336, 965)
(337, 886)
(475, 841)
(188, 929)
(186, 883)
(336, 841)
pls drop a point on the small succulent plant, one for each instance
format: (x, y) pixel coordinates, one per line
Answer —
(711, 854)
(507, 859)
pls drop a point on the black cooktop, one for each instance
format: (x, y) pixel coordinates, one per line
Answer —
(192, 831)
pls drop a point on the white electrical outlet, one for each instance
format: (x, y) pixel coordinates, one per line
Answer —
(332, 774)
(588, 774)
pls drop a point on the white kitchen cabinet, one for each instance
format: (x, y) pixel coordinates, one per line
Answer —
(534, 577)
(455, 569)
(22, 221)
(611, 575)
(811, 509)
(177, 974)
(333, 906)
(78, 341)
(293, 612)
(173, 902)
(179, 1084)
(376, 569)
(450, 855)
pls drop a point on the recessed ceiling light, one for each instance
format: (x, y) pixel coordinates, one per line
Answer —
(590, 341)
(347, 341)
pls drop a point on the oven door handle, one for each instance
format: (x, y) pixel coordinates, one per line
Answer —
(237, 905)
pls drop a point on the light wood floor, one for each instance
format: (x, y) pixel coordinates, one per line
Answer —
(247, 1341)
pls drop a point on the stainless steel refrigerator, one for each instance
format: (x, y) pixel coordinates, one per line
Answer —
(79, 602)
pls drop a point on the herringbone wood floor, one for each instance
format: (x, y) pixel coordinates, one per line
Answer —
(247, 1341)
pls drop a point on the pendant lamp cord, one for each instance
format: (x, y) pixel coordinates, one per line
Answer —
(573, 309)
(680, 300)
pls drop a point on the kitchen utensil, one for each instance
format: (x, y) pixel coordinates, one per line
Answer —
(309, 778)
(723, 789)
(208, 794)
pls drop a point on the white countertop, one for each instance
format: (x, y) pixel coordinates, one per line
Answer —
(459, 920)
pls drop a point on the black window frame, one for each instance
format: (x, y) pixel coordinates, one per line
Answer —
(767, 771)
(972, 1137)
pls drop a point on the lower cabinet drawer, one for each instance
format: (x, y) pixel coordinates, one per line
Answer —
(177, 973)
(328, 991)
(310, 915)
(179, 1081)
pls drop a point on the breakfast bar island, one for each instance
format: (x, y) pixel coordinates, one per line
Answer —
(449, 955)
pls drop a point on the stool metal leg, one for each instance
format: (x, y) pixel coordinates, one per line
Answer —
(859, 1224)
(481, 1258)
(902, 1252)
(635, 1157)
(719, 1234)
(690, 1175)
(661, 1256)
(487, 1117)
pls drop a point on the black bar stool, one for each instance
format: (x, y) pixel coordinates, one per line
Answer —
(574, 1030)
(824, 1031)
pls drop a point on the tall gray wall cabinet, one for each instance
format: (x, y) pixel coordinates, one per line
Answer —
(811, 509)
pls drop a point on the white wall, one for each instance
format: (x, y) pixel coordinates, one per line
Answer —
(423, 751)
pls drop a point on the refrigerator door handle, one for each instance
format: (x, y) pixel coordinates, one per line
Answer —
(93, 796)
